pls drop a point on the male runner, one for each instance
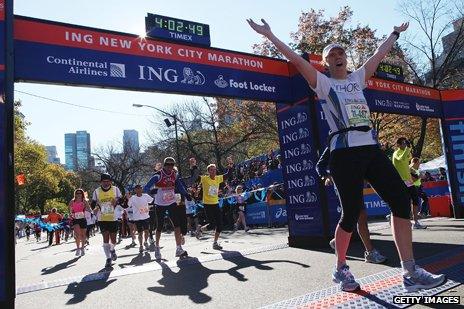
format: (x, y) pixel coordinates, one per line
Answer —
(105, 198)
(164, 183)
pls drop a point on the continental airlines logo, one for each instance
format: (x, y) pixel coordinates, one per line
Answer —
(89, 67)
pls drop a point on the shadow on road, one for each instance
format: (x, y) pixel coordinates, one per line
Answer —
(138, 260)
(192, 276)
(80, 290)
(58, 267)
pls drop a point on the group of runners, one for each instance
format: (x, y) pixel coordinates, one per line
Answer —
(165, 195)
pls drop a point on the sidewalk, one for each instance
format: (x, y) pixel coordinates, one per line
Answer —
(255, 270)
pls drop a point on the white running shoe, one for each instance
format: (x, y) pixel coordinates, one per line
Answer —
(422, 279)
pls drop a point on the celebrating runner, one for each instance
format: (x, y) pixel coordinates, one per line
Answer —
(355, 154)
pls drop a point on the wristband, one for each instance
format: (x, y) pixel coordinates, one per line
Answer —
(396, 33)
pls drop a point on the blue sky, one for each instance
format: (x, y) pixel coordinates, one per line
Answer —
(228, 28)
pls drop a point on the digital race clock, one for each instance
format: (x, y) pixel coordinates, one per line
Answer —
(158, 26)
(389, 71)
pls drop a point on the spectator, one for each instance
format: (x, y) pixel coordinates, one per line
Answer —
(428, 177)
(54, 218)
(442, 174)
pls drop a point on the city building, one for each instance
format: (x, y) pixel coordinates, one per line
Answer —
(130, 141)
(70, 151)
(77, 151)
(52, 155)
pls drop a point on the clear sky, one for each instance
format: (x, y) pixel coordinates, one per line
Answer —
(228, 28)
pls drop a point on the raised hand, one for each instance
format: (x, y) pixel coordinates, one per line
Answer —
(261, 29)
(401, 28)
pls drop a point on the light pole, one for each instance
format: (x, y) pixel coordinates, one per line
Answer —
(168, 124)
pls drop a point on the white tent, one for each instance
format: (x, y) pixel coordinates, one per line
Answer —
(434, 164)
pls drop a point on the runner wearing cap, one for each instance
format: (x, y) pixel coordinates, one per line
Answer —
(163, 184)
(105, 198)
(355, 154)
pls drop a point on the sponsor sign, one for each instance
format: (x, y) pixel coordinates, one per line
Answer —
(453, 135)
(399, 98)
(298, 160)
(278, 214)
(257, 213)
(60, 53)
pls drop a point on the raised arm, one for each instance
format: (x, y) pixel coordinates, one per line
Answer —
(373, 62)
(303, 66)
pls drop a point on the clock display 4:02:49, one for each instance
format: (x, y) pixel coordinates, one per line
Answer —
(179, 26)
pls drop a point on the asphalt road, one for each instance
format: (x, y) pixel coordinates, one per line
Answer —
(255, 269)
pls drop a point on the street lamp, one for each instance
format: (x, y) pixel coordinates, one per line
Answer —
(168, 124)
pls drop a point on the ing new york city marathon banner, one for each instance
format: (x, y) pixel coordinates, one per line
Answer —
(59, 53)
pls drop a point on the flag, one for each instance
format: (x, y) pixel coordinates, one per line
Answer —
(21, 179)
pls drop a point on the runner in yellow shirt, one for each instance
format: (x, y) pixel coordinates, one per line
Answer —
(210, 184)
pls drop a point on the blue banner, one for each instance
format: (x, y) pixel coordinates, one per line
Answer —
(65, 54)
(3, 161)
(257, 213)
(278, 214)
(304, 208)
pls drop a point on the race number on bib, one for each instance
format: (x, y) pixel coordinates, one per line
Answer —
(169, 197)
(213, 190)
(107, 208)
(79, 215)
(143, 210)
(358, 114)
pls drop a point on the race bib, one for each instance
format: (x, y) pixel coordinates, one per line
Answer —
(79, 215)
(107, 208)
(213, 190)
(169, 197)
(358, 114)
(143, 210)
(189, 207)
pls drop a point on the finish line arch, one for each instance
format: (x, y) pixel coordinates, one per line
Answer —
(42, 51)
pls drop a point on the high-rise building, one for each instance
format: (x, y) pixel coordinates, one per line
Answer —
(70, 152)
(77, 150)
(130, 141)
(83, 149)
(52, 154)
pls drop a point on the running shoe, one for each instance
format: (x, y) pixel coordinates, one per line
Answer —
(180, 252)
(140, 249)
(114, 257)
(157, 253)
(152, 241)
(422, 279)
(345, 278)
(198, 234)
(247, 229)
(418, 226)
(216, 246)
(332, 244)
(108, 262)
(133, 244)
(78, 251)
(374, 257)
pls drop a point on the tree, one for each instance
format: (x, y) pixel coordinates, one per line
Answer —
(438, 56)
(127, 167)
(212, 129)
(44, 181)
